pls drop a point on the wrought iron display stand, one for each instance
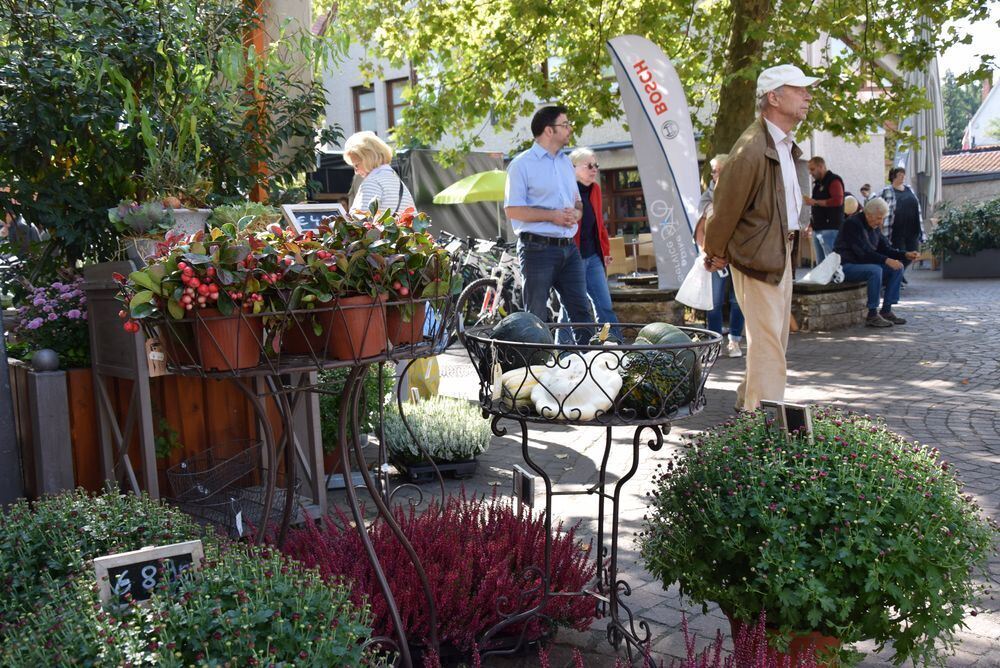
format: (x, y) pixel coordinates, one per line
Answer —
(662, 384)
(284, 380)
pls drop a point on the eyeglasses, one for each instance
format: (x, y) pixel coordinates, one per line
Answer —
(567, 125)
(592, 165)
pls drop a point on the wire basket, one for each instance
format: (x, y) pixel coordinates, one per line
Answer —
(630, 382)
(226, 486)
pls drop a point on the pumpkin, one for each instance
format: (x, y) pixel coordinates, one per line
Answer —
(521, 327)
(657, 383)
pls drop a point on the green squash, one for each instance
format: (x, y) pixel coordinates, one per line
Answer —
(657, 383)
(522, 327)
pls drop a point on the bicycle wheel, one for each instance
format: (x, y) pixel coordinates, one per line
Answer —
(478, 304)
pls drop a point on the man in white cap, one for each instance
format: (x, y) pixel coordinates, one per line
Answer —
(755, 226)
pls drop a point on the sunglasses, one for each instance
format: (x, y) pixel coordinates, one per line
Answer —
(591, 165)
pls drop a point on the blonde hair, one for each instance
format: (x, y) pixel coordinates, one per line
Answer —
(581, 154)
(850, 205)
(719, 160)
(367, 150)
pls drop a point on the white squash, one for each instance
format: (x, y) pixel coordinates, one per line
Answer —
(578, 387)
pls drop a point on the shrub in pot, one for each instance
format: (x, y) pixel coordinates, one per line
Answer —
(967, 229)
(859, 534)
(210, 279)
(449, 429)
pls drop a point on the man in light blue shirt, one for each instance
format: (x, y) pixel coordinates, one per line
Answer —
(543, 204)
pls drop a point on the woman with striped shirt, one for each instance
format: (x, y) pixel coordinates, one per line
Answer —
(370, 157)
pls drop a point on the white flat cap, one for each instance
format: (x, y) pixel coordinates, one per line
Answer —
(782, 75)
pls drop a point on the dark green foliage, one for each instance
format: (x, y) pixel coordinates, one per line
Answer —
(960, 102)
(967, 229)
(861, 534)
(243, 607)
(332, 383)
(44, 545)
(95, 94)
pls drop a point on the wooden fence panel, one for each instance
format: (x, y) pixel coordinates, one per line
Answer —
(84, 429)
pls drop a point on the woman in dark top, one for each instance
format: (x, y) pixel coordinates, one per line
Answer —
(904, 222)
(592, 237)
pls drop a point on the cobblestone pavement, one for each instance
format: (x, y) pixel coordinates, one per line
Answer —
(935, 379)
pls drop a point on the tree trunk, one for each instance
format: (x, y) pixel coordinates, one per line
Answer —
(743, 63)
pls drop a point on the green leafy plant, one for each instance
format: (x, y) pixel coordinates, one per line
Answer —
(243, 606)
(134, 219)
(53, 316)
(449, 429)
(216, 269)
(118, 100)
(967, 229)
(47, 543)
(861, 534)
(167, 439)
(261, 215)
(332, 385)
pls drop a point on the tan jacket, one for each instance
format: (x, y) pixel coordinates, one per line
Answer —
(749, 226)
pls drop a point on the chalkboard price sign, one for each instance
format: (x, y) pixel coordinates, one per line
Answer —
(309, 216)
(137, 574)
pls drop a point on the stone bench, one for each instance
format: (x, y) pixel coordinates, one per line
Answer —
(821, 308)
(643, 305)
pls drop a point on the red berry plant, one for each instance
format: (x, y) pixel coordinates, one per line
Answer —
(476, 552)
(217, 269)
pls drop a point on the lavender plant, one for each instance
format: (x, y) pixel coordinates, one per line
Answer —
(53, 316)
(859, 534)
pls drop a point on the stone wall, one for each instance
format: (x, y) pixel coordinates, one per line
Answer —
(645, 305)
(820, 308)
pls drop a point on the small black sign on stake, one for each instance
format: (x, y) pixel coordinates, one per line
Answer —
(308, 216)
(790, 417)
(140, 572)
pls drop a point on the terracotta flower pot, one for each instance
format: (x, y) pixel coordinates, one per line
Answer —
(177, 339)
(300, 339)
(401, 332)
(358, 327)
(802, 645)
(226, 343)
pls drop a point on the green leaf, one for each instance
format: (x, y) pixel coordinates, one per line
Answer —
(142, 297)
(146, 281)
(175, 309)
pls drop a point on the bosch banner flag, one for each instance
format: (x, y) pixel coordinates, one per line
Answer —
(665, 151)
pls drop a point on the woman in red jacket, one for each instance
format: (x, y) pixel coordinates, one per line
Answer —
(592, 236)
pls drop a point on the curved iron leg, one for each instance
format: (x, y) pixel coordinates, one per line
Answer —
(348, 409)
(285, 410)
(386, 514)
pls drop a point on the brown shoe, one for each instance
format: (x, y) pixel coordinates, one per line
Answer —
(893, 318)
(877, 321)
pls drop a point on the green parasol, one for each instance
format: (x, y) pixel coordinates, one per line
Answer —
(480, 187)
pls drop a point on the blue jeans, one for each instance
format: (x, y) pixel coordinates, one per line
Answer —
(823, 241)
(720, 285)
(546, 266)
(597, 288)
(877, 276)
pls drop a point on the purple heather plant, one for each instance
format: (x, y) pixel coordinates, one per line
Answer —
(53, 316)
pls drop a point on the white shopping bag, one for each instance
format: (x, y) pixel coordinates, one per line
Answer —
(696, 290)
(824, 272)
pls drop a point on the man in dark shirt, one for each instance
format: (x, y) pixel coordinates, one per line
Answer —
(866, 255)
(827, 204)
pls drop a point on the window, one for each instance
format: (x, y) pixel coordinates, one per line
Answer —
(394, 99)
(625, 207)
(364, 108)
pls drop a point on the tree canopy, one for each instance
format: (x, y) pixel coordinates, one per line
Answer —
(481, 61)
(960, 104)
